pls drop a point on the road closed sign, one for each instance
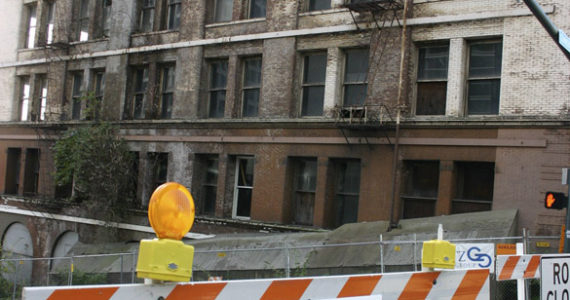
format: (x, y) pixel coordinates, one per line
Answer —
(555, 279)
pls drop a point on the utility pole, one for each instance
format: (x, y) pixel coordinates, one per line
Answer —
(559, 37)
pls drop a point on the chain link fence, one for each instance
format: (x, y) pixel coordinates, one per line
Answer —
(381, 256)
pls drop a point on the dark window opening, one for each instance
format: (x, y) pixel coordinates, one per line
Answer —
(207, 184)
(420, 188)
(167, 92)
(251, 86)
(76, 96)
(355, 77)
(12, 181)
(146, 21)
(32, 172)
(305, 185)
(82, 21)
(474, 187)
(319, 5)
(174, 11)
(257, 9)
(140, 77)
(223, 10)
(484, 83)
(158, 162)
(314, 75)
(218, 82)
(243, 187)
(347, 173)
(432, 80)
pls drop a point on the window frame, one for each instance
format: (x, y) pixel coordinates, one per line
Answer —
(237, 186)
(31, 172)
(31, 25)
(496, 78)
(82, 33)
(250, 10)
(216, 18)
(49, 24)
(42, 95)
(309, 7)
(174, 14)
(254, 87)
(346, 84)
(167, 71)
(305, 86)
(13, 169)
(25, 99)
(76, 94)
(140, 92)
(433, 80)
(215, 90)
(300, 165)
(340, 196)
(151, 10)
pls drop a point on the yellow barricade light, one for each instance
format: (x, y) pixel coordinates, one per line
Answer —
(171, 215)
(438, 254)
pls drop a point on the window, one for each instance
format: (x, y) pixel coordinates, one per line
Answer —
(98, 87)
(318, 5)
(140, 77)
(484, 79)
(167, 90)
(12, 181)
(251, 86)
(174, 9)
(158, 166)
(129, 189)
(32, 19)
(82, 29)
(223, 10)
(32, 172)
(420, 187)
(257, 9)
(347, 174)
(304, 185)
(432, 80)
(76, 95)
(207, 168)
(355, 77)
(49, 24)
(474, 187)
(105, 18)
(24, 98)
(314, 74)
(146, 21)
(218, 81)
(41, 104)
(243, 188)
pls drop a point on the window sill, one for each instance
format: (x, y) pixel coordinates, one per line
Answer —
(150, 33)
(102, 39)
(323, 12)
(238, 22)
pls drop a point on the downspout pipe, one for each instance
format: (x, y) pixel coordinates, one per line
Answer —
(552, 30)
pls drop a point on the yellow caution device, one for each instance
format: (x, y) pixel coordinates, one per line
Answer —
(171, 215)
(438, 254)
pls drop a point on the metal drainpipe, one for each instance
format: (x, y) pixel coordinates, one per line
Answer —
(398, 108)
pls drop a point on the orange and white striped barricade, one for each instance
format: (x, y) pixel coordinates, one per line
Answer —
(454, 285)
(511, 267)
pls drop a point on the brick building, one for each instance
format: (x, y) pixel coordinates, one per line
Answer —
(286, 111)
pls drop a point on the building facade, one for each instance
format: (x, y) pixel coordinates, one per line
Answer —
(307, 112)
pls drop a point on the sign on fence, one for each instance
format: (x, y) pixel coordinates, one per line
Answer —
(474, 256)
(555, 279)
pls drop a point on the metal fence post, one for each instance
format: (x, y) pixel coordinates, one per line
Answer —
(121, 279)
(381, 254)
(133, 267)
(415, 249)
(15, 281)
(71, 266)
(288, 265)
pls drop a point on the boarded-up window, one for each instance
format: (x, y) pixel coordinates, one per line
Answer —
(305, 185)
(432, 80)
(420, 186)
(347, 190)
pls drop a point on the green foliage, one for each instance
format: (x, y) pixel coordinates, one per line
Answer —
(97, 162)
(81, 278)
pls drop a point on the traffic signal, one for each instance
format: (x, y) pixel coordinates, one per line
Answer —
(554, 200)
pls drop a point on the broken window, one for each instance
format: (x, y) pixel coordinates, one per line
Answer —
(474, 187)
(24, 98)
(82, 21)
(174, 10)
(158, 166)
(167, 73)
(314, 74)
(318, 5)
(243, 188)
(140, 77)
(217, 93)
(146, 20)
(12, 181)
(347, 174)
(251, 86)
(304, 185)
(484, 78)
(223, 10)
(42, 92)
(76, 96)
(355, 77)
(49, 22)
(206, 167)
(432, 80)
(31, 25)
(420, 188)
(257, 8)
(31, 172)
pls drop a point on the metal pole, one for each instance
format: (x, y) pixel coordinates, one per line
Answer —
(121, 279)
(381, 255)
(547, 24)
(15, 281)
(133, 267)
(288, 266)
(415, 249)
(71, 266)
(566, 240)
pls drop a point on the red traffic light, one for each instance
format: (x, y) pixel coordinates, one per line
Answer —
(554, 200)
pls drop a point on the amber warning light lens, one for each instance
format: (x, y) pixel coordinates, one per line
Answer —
(171, 211)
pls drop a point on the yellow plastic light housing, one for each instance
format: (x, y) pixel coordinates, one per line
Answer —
(438, 254)
(171, 211)
(165, 259)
